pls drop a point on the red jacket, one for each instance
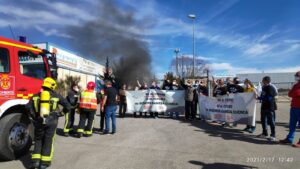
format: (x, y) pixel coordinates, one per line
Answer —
(295, 95)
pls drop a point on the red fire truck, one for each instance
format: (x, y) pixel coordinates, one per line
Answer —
(22, 70)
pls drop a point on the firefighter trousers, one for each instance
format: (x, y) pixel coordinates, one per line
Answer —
(89, 116)
(69, 121)
(44, 140)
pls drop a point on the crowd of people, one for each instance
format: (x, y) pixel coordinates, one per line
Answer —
(86, 103)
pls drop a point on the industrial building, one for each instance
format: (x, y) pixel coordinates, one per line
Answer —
(72, 64)
(280, 80)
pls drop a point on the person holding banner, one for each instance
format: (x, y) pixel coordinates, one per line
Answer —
(155, 87)
(249, 88)
(268, 107)
(220, 89)
(122, 101)
(141, 87)
(234, 87)
(189, 97)
(174, 86)
(294, 93)
(202, 89)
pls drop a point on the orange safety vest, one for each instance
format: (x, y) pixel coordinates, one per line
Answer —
(88, 100)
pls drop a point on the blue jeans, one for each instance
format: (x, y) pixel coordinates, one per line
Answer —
(294, 119)
(110, 112)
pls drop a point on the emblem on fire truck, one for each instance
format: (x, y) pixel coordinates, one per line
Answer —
(5, 82)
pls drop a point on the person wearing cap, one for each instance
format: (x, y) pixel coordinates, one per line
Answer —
(43, 110)
(294, 93)
(89, 100)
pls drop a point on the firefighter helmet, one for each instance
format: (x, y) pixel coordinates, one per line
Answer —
(49, 83)
(91, 85)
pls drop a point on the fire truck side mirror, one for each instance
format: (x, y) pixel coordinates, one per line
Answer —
(54, 74)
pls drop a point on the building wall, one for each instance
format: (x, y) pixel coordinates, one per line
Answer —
(281, 80)
(72, 64)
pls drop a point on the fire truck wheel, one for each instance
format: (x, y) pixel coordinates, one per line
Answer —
(16, 133)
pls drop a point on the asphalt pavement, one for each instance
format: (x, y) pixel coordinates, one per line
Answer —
(166, 143)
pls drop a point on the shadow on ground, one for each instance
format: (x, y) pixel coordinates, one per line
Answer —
(220, 165)
(226, 133)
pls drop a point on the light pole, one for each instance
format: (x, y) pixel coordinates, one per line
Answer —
(182, 66)
(193, 17)
(177, 50)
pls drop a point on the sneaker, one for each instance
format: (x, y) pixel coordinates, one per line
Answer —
(273, 139)
(66, 134)
(251, 130)
(113, 132)
(106, 133)
(285, 141)
(297, 145)
(262, 136)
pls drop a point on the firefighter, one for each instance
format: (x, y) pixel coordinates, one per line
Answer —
(87, 109)
(72, 98)
(44, 112)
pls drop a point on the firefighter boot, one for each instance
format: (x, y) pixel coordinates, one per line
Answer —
(79, 135)
(44, 166)
(34, 164)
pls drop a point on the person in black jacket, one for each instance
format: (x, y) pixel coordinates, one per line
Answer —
(72, 98)
(268, 107)
(234, 87)
(220, 89)
(202, 89)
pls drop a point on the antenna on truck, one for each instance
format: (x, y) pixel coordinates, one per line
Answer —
(12, 33)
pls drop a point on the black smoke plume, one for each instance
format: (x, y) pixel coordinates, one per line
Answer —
(110, 35)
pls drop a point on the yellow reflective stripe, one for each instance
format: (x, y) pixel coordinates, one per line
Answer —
(20, 46)
(80, 130)
(30, 95)
(91, 131)
(66, 123)
(46, 158)
(88, 103)
(55, 101)
(89, 95)
(88, 132)
(36, 106)
(25, 97)
(36, 156)
(19, 95)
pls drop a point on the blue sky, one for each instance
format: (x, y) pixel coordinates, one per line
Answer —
(234, 36)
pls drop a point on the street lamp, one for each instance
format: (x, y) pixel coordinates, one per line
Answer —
(193, 17)
(177, 50)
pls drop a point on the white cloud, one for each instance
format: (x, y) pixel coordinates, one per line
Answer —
(258, 49)
(50, 32)
(292, 41)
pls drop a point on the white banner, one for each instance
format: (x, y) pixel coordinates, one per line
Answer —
(155, 101)
(240, 108)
